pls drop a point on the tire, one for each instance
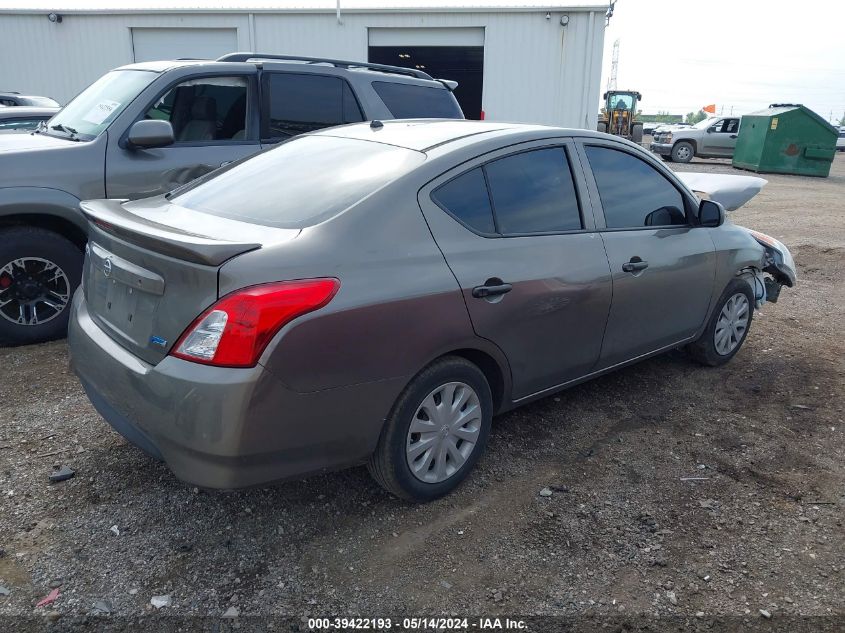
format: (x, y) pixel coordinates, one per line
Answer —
(602, 127)
(637, 133)
(682, 152)
(705, 349)
(51, 269)
(390, 464)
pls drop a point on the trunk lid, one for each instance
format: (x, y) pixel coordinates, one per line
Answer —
(151, 267)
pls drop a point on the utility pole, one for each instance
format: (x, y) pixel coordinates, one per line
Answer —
(614, 67)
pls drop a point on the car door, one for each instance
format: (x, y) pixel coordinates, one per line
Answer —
(529, 263)
(299, 102)
(720, 138)
(662, 266)
(214, 123)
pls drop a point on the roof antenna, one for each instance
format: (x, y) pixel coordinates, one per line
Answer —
(375, 124)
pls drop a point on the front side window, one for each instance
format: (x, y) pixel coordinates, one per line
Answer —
(633, 193)
(206, 109)
(93, 110)
(300, 103)
(410, 101)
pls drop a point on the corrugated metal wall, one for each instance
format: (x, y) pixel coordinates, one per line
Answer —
(535, 70)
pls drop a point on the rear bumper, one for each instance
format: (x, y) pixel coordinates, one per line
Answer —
(222, 427)
(664, 149)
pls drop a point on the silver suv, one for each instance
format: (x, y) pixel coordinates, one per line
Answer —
(711, 138)
(144, 129)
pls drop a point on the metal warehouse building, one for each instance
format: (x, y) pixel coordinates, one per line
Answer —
(515, 61)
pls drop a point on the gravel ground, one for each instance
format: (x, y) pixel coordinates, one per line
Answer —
(677, 491)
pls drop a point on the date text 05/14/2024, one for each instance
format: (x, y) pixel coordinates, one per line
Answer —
(416, 624)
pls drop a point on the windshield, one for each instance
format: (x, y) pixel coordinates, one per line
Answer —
(621, 102)
(99, 104)
(706, 123)
(299, 183)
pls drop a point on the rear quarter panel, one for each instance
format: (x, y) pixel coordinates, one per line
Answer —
(398, 306)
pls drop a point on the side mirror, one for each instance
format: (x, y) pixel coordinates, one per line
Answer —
(710, 130)
(150, 133)
(711, 214)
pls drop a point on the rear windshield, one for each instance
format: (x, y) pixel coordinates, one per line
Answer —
(299, 183)
(407, 101)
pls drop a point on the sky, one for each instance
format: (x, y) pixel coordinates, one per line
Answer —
(741, 54)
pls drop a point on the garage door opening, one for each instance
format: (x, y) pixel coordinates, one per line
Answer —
(464, 64)
(455, 53)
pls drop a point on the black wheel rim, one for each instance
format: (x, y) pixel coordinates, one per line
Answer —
(33, 291)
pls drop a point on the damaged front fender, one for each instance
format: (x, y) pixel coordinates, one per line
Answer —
(778, 261)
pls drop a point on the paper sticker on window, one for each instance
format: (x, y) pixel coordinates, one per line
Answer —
(101, 111)
(774, 123)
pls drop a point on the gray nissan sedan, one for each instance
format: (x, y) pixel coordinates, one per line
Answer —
(376, 293)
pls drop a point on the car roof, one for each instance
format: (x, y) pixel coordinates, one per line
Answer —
(425, 134)
(18, 95)
(19, 112)
(163, 66)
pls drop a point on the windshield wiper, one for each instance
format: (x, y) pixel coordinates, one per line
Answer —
(67, 130)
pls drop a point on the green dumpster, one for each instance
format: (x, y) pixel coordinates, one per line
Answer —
(785, 139)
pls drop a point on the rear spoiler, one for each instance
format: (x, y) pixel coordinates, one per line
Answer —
(451, 85)
(111, 216)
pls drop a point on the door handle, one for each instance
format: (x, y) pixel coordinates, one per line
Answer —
(491, 289)
(635, 265)
(733, 135)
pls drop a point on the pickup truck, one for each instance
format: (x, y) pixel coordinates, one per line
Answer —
(711, 138)
(144, 129)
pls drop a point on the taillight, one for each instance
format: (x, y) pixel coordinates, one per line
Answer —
(234, 331)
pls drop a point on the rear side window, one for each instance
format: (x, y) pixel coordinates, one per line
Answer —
(633, 193)
(529, 192)
(533, 192)
(408, 101)
(296, 103)
(299, 183)
(466, 198)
